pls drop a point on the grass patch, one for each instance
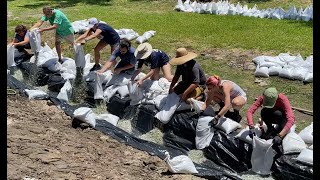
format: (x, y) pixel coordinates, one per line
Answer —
(198, 32)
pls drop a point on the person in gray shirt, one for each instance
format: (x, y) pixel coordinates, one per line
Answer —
(193, 77)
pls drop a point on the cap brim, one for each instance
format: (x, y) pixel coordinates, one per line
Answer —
(90, 26)
(145, 55)
(183, 59)
(269, 105)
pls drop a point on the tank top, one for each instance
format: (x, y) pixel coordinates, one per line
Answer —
(237, 91)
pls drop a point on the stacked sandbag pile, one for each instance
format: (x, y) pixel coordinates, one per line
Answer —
(286, 66)
(226, 8)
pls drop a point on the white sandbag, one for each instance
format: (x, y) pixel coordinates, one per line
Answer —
(196, 105)
(293, 143)
(275, 59)
(306, 157)
(232, 10)
(227, 125)
(204, 132)
(311, 147)
(119, 79)
(306, 15)
(166, 112)
(299, 13)
(258, 59)
(164, 84)
(244, 134)
(139, 76)
(308, 77)
(274, 70)
(79, 55)
(307, 134)
(214, 8)
(292, 12)
(135, 93)
(112, 119)
(286, 72)
(267, 64)
(262, 71)
(109, 92)
(86, 115)
(285, 57)
(262, 156)
(297, 62)
(65, 92)
(299, 73)
(179, 6)
(208, 8)
(68, 76)
(123, 91)
(35, 40)
(33, 94)
(160, 101)
(147, 35)
(98, 89)
(239, 8)
(68, 66)
(10, 56)
(180, 164)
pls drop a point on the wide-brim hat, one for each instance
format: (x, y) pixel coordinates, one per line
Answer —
(92, 21)
(182, 56)
(143, 51)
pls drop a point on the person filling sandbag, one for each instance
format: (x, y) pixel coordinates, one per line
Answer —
(228, 94)
(21, 40)
(154, 58)
(276, 110)
(60, 23)
(193, 77)
(105, 33)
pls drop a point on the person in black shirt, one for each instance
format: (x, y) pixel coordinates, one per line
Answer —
(105, 33)
(193, 78)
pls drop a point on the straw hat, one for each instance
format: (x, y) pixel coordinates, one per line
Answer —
(182, 56)
(143, 51)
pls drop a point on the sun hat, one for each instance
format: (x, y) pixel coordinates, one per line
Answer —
(93, 21)
(270, 97)
(143, 51)
(182, 56)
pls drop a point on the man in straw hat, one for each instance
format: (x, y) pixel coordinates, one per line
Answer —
(276, 110)
(105, 33)
(154, 58)
(193, 77)
(60, 23)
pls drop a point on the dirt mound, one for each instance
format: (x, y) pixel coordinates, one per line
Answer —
(43, 145)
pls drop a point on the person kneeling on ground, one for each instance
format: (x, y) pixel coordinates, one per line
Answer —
(154, 58)
(60, 23)
(193, 77)
(21, 41)
(105, 33)
(228, 94)
(126, 53)
(276, 109)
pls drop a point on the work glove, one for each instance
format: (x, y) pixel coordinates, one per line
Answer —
(251, 132)
(277, 140)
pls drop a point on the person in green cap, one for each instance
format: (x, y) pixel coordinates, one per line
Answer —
(276, 109)
(60, 23)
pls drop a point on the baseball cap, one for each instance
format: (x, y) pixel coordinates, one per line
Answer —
(93, 21)
(270, 97)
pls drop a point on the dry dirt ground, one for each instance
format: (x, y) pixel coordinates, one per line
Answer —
(41, 144)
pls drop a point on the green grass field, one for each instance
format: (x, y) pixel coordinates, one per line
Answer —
(232, 38)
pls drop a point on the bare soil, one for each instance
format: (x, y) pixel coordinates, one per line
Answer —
(42, 144)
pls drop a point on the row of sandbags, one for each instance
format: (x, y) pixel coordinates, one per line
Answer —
(226, 8)
(81, 26)
(286, 66)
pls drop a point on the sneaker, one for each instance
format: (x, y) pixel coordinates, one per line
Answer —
(95, 67)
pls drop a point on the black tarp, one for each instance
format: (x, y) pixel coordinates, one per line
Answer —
(116, 105)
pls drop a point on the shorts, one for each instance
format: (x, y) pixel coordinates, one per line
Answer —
(68, 38)
(181, 87)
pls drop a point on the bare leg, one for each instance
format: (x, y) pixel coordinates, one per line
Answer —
(101, 44)
(238, 103)
(166, 69)
(156, 75)
(58, 48)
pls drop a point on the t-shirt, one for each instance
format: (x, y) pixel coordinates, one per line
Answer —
(20, 38)
(157, 59)
(282, 103)
(126, 59)
(109, 35)
(64, 27)
(191, 72)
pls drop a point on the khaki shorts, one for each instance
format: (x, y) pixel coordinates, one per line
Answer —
(181, 87)
(68, 38)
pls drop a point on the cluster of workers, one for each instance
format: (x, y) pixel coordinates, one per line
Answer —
(276, 108)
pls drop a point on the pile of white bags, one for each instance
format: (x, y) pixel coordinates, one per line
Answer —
(147, 35)
(286, 66)
(226, 8)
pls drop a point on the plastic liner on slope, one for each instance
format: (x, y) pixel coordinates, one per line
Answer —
(55, 82)
(116, 105)
(40, 75)
(286, 167)
(178, 143)
(144, 121)
(230, 152)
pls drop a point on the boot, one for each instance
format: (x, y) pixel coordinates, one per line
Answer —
(237, 116)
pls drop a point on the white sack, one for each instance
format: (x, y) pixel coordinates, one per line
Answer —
(180, 164)
(274, 70)
(65, 91)
(244, 134)
(79, 55)
(306, 157)
(109, 92)
(166, 112)
(86, 115)
(261, 71)
(204, 132)
(35, 40)
(10, 56)
(308, 77)
(262, 156)
(293, 143)
(33, 94)
(123, 91)
(113, 119)
(160, 101)
(311, 147)
(196, 105)
(98, 89)
(307, 134)
(286, 72)
(135, 93)
(147, 35)
(299, 73)
(227, 125)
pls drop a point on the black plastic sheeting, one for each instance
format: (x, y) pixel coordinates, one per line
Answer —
(230, 152)
(116, 105)
(286, 167)
(124, 137)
